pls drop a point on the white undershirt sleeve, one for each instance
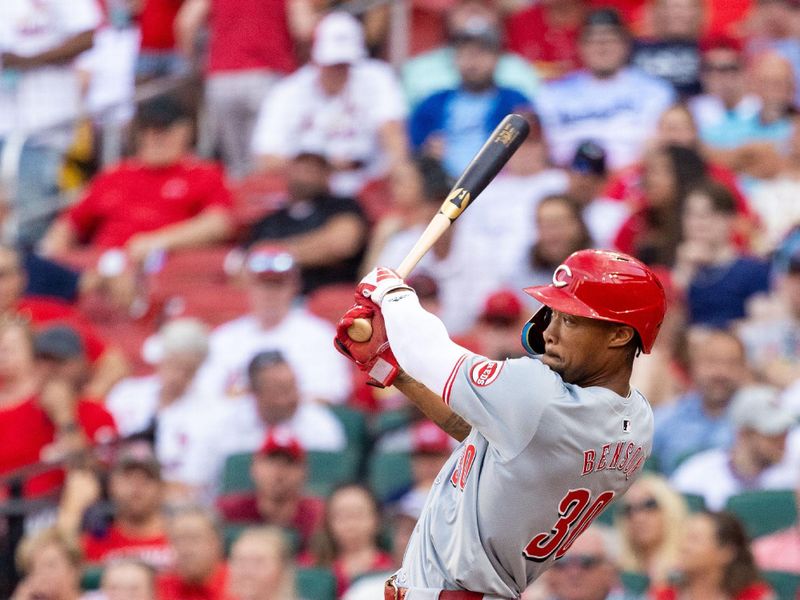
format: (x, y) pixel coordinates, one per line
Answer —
(420, 341)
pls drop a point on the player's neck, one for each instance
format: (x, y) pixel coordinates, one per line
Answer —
(615, 378)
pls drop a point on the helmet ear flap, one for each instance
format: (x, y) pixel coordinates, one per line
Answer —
(533, 332)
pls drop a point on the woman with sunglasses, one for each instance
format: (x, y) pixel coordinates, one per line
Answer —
(650, 522)
(715, 563)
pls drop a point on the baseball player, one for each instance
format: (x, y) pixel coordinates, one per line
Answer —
(548, 442)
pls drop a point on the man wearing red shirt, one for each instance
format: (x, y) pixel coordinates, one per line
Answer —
(157, 55)
(41, 420)
(279, 474)
(136, 492)
(250, 48)
(163, 199)
(199, 572)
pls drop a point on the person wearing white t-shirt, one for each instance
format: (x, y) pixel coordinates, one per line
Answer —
(614, 105)
(172, 409)
(345, 106)
(275, 401)
(275, 322)
(760, 457)
(39, 88)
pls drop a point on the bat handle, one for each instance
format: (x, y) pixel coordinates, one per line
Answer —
(360, 330)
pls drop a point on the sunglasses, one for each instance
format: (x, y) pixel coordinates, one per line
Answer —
(645, 506)
(722, 67)
(580, 561)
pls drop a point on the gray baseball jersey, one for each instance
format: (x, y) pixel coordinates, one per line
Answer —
(544, 458)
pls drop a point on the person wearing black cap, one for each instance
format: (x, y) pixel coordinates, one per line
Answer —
(453, 124)
(179, 201)
(615, 105)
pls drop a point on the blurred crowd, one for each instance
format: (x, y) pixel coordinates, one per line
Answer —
(175, 422)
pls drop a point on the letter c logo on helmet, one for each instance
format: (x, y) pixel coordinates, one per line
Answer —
(559, 283)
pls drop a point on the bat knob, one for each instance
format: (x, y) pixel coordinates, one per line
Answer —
(360, 330)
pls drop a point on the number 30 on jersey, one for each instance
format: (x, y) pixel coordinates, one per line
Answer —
(576, 512)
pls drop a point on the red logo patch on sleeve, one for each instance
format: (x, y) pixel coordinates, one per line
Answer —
(485, 372)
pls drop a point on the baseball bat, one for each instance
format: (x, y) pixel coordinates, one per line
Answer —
(485, 165)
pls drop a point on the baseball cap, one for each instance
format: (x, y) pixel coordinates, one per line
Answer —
(281, 441)
(589, 159)
(604, 17)
(759, 407)
(160, 112)
(480, 30)
(138, 454)
(503, 306)
(269, 262)
(338, 39)
(180, 336)
(60, 342)
(428, 438)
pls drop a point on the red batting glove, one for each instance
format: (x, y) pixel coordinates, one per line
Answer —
(377, 283)
(374, 356)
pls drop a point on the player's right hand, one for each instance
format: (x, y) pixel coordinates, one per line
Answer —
(374, 356)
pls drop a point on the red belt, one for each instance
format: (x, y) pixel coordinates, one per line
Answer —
(392, 592)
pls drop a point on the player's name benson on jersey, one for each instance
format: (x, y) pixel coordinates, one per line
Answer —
(622, 456)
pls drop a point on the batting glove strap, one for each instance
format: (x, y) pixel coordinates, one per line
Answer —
(379, 282)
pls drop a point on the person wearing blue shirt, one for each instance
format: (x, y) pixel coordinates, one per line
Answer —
(699, 419)
(453, 124)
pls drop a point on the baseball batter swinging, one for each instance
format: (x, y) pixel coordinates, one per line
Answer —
(548, 442)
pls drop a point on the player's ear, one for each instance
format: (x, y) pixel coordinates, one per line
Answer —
(620, 335)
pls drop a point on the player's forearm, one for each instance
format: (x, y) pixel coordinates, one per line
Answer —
(419, 340)
(433, 407)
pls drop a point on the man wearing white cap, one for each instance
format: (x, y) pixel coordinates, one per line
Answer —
(342, 105)
(758, 459)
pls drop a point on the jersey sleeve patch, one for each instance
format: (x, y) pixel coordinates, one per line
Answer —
(485, 372)
(448, 385)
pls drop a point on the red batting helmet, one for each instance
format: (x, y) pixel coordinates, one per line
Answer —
(609, 286)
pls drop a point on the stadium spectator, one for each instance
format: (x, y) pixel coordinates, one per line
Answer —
(51, 564)
(650, 521)
(519, 187)
(279, 472)
(430, 449)
(342, 105)
(614, 105)
(128, 579)
(453, 124)
(773, 340)
(60, 354)
(199, 570)
(274, 322)
(773, 199)
(715, 561)
(718, 280)
(753, 143)
(436, 70)
(158, 55)
(250, 47)
(275, 401)
(136, 492)
(560, 231)
(174, 411)
(757, 460)
(349, 544)
(554, 49)
(698, 420)
(652, 233)
(55, 420)
(588, 571)
(672, 51)
(496, 332)
(725, 98)
(38, 42)
(180, 201)
(773, 27)
(261, 566)
(325, 234)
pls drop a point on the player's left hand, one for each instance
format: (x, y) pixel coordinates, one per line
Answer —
(377, 283)
(374, 356)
